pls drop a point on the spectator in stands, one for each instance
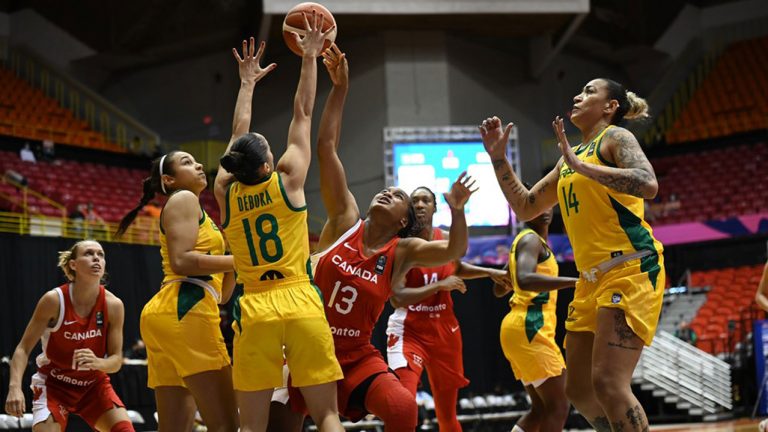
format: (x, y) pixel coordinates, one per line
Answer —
(137, 351)
(77, 218)
(685, 333)
(600, 186)
(26, 154)
(48, 153)
(153, 209)
(94, 223)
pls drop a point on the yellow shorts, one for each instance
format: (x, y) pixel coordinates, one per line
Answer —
(626, 287)
(179, 348)
(532, 361)
(285, 318)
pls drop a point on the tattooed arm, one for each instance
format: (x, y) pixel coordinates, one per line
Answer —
(633, 174)
(527, 204)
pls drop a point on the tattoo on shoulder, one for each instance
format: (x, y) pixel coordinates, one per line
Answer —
(617, 426)
(635, 170)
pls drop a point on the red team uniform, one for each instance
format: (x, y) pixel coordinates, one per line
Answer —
(427, 334)
(355, 288)
(59, 389)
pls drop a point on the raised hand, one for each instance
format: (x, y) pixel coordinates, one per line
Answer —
(314, 38)
(248, 65)
(460, 191)
(336, 63)
(494, 136)
(569, 156)
(453, 283)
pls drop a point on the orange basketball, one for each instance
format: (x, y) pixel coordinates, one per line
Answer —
(294, 22)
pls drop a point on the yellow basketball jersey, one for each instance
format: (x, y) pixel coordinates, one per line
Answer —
(268, 237)
(540, 308)
(549, 267)
(182, 297)
(602, 223)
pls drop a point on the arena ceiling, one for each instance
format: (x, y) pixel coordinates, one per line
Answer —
(140, 33)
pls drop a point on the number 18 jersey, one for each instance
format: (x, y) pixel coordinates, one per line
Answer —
(267, 235)
(355, 288)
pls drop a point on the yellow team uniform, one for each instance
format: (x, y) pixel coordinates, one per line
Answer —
(180, 324)
(528, 331)
(280, 306)
(619, 261)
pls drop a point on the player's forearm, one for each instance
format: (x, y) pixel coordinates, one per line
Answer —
(330, 123)
(408, 296)
(241, 122)
(541, 283)
(459, 237)
(513, 189)
(111, 364)
(633, 181)
(18, 366)
(469, 271)
(195, 263)
(305, 92)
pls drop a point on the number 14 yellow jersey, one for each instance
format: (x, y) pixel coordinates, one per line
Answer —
(602, 223)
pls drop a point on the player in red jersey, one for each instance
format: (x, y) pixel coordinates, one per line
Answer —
(360, 261)
(423, 330)
(80, 325)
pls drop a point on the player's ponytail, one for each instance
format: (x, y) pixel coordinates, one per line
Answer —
(246, 159)
(151, 186)
(631, 106)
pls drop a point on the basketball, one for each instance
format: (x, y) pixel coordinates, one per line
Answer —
(294, 22)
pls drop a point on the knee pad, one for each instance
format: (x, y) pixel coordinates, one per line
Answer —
(122, 426)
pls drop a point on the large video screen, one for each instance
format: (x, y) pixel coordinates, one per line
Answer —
(438, 164)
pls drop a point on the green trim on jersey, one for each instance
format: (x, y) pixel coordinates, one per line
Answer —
(237, 313)
(640, 239)
(534, 317)
(189, 295)
(312, 281)
(226, 206)
(285, 196)
(600, 156)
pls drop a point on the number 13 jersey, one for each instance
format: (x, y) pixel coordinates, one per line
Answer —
(601, 223)
(355, 288)
(267, 235)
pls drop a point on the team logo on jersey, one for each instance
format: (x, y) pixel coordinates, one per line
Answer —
(392, 340)
(381, 264)
(99, 319)
(37, 391)
(271, 275)
(418, 360)
(616, 298)
(571, 310)
(615, 254)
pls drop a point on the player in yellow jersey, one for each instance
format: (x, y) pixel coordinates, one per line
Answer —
(528, 331)
(280, 314)
(600, 186)
(188, 364)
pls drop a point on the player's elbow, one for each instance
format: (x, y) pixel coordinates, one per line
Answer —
(650, 189)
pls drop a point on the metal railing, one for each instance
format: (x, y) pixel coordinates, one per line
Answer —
(144, 230)
(686, 374)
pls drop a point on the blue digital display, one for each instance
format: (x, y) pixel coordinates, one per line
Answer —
(438, 164)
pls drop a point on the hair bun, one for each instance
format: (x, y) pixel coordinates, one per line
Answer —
(638, 107)
(232, 161)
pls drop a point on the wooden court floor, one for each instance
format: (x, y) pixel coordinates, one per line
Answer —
(741, 425)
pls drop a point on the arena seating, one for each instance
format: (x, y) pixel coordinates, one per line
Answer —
(26, 112)
(730, 300)
(113, 190)
(714, 184)
(731, 100)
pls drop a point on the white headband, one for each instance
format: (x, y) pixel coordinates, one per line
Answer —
(162, 185)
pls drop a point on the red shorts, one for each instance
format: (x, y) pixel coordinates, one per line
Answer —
(52, 397)
(440, 352)
(358, 366)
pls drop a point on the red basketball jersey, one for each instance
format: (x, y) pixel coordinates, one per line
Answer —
(355, 289)
(73, 332)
